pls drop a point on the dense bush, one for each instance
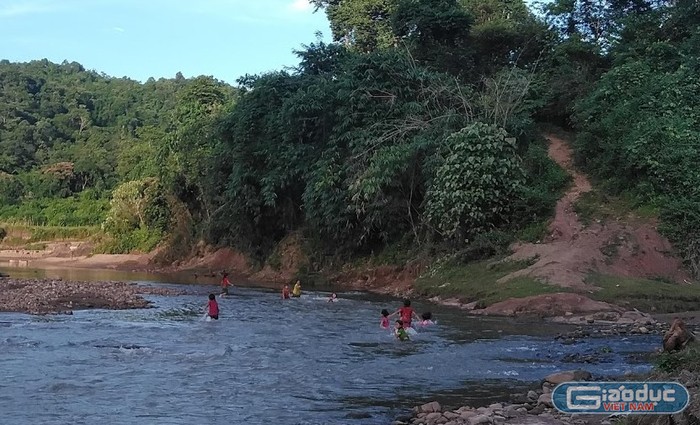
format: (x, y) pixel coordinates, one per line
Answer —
(73, 211)
(476, 181)
(138, 216)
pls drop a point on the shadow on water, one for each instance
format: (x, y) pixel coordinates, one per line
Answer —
(269, 360)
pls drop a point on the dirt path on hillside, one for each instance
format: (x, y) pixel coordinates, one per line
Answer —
(571, 251)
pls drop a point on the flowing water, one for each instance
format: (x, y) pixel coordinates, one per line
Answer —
(272, 361)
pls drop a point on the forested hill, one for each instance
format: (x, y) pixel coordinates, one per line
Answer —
(415, 128)
(69, 136)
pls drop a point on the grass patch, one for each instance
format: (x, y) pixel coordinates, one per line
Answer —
(38, 246)
(534, 232)
(645, 294)
(28, 233)
(596, 205)
(686, 359)
(26, 236)
(477, 282)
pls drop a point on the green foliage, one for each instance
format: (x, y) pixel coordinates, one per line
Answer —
(73, 211)
(535, 232)
(598, 205)
(645, 294)
(475, 183)
(640, 126)
(363, 24)
(485, 245)
(138, 216)
(436, 32)
(18, 234)
(139, 240)
(396, 136)
(545, 182)
(354, 165)
(569, 72)
(687, 359)
(68, 136)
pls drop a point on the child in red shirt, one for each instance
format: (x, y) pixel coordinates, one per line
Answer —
(285, 292)
(406, 314)
(225, 283)
(213, 307)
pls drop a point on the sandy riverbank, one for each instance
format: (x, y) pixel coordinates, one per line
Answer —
(49, 258)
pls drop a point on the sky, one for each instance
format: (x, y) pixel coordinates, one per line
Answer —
(158, 38)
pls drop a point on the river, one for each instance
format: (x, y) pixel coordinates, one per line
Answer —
(272, 361)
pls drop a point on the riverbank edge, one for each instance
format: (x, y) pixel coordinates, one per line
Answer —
(536, 407)
(396, 281)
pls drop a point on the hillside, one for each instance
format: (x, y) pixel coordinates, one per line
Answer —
(409, 146)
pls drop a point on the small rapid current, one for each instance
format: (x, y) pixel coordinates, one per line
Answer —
(273, 361)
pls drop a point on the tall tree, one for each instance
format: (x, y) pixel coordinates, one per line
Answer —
(362, 25)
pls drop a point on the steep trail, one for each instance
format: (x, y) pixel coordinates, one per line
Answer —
(571, 251)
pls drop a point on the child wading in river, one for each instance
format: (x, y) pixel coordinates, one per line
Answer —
(213, 307)
(427, 319)
(406, 314)
(400, 332)
(296, 291)
(225, 283)
(384, 323)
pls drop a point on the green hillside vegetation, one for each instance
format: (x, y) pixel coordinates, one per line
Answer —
(417, 127)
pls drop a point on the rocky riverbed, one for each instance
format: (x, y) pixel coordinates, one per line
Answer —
(533, 408)
(536, 408)
(47, 296)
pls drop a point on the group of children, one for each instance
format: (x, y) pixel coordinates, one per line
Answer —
(405, 321)
(212, 309)
(403, 324)
(296, 291)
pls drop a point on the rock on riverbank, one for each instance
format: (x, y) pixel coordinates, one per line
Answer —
(533, 408)
(45, 296)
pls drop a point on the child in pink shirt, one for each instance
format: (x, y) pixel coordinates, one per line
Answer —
(384, 324)
(213, 307)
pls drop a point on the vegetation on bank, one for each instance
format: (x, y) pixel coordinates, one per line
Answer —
(481, 282)
(18, 235)
(477, 282)
(416, 127)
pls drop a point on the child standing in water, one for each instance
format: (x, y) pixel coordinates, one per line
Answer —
(285, 292)
(213, 307)
(400, 332)
(406, 313)
(296, 292)
(333, 298)
(225, 283)
(384, 323)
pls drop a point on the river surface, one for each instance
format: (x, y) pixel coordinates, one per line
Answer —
(273, 361)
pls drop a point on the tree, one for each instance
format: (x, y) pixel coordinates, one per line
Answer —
(362, 25)
(436, 32)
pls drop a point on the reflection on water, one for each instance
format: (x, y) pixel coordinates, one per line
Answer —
(267, 360)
